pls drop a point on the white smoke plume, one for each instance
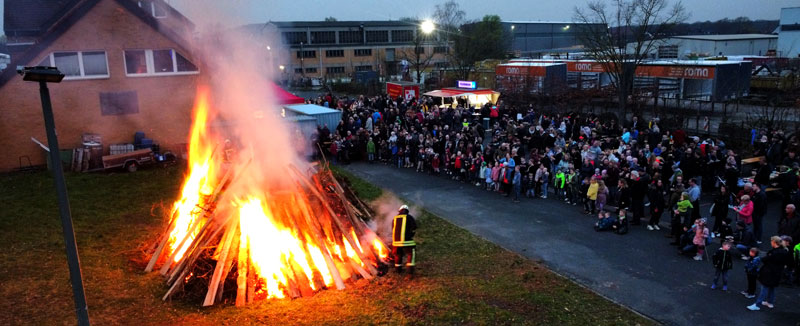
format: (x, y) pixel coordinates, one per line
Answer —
(386, 208)
(238, 67)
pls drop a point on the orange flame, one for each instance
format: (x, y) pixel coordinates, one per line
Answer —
(284, 243)
(380, 249)
(197, 187)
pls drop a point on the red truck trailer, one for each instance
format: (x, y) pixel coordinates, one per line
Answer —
(407, 90)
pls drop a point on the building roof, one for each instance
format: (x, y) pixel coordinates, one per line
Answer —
(726, 37)
(74, 12)
(691, 62)
(349, 23)
(564, 22)
(32, 17)
(541, 63)
(456, 92)
(310, 109)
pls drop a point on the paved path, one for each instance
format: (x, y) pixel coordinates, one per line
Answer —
(640, 269)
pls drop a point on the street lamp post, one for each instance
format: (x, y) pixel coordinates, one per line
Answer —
(45, 75)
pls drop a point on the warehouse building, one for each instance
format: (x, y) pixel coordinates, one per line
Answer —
(536, 38)
(699, 46)
(789, 33)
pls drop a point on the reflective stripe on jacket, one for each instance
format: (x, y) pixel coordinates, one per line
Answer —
(400, 236)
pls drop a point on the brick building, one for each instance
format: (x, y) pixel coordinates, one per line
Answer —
(333, 49)
(129, 68)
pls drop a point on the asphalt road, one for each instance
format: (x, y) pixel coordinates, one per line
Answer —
(639, 270)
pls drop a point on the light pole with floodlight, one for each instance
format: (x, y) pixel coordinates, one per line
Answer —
(45, 75)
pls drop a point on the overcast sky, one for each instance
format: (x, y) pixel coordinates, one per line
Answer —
(256, 11)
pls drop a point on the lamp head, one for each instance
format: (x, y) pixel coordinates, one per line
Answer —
(40, 73)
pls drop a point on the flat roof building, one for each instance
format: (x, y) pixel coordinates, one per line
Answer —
(698, 46)
(789, 33)
(535, 38)
(340, 48)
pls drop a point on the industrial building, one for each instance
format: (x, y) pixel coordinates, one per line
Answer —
(789, 33)
(332, 49)
(699, 46)
(531, 77)
(536, 38)
(706, 80)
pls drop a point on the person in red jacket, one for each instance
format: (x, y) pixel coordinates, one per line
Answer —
(745, 210)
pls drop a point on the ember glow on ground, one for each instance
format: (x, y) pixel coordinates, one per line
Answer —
(461, 278)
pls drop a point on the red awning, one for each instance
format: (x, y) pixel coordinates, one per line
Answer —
(459, 91)
(285, 97)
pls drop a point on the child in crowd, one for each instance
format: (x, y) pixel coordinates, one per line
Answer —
(725, 229)
(371, 151)
(683, 206)
(495, 175)
(482, 173)
(488, 176)
(621, 225)
(421, 155)
(679, 217)
(542, 179)
(530, 186)
(591, 195)
(560, 183)
(573, 186)
(723, 262)
(604, 222)
(602, 196)
(700, 236)
(751, 270)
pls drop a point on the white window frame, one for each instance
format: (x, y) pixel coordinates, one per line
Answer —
(148, 55)
(83, 76)
(153, 9)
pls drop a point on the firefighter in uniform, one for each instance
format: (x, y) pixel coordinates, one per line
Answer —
(403, 228)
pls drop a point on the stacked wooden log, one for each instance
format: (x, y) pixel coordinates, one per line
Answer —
(323, 216)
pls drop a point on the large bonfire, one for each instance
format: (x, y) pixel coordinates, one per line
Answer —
(237, 236)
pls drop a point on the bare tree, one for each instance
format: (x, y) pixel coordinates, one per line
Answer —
(448, 18)
(624, 34)
(770, 116)
(418, 56)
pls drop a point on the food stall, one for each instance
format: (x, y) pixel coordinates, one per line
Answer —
(467, 90)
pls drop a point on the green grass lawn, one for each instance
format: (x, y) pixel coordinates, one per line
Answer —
(461, 279)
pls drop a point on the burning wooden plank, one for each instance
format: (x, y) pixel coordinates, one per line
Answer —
(281, 237)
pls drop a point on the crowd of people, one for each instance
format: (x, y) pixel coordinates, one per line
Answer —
(623, 173)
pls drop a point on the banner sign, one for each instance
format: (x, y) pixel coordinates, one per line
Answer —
(519, 70)
(686, 72)
(467, 84)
